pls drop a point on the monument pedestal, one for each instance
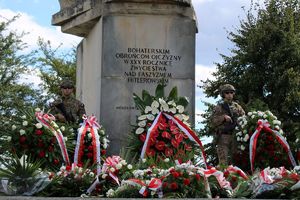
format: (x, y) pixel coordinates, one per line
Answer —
(130, 46)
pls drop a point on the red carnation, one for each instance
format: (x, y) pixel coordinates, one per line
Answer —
(168, 152)
(22, 139)
(160, 145)
(174, 186)
(42, 154)
(175, 174)
(175, 143)
(50, 148)
(166, 134)
(56, 161)
(40, 143)
(188, 147)
(198, 177)
(165, 185)
(226, 174)
(90, 148)
(38, 132)
(142, 137)
(186, 181)
(89, 155)
(103, 152)
(150, 152)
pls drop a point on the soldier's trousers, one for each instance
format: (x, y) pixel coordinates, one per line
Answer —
(224, 149)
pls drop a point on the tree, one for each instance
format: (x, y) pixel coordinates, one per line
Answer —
(264, 66)
(13, 65)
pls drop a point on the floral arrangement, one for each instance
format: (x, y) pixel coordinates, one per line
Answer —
(269, 152)
(166, 138)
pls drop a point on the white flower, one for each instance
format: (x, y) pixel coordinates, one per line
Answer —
(239, 133)
(71, 130)
(245, 131)
(89, 136)
(142, 117)
(65, 139)
(281, 131)
(91, 174)
(150, 117)
(23, 117)
(238, 139)
(253, 116)
(123, 162)
(129, 166)
(166, 160)
(38, 125)
(8, 138)
(297, 140)
(22, 132)
(260, 114)
(148, 109)
(105, 146)
(185, 117)
(25, 123)
(102, 132)
(277, 127)
(13, 127)
(165, 107)
(277, 122)
(119, 166)
(88, 129)
(249, 113)
(179, 116)
(104, 176)
(173, 110)
(155, 111)
(144, 160)
(154, 104)
(139, 130)
(62, 128)
(180, 108)
(172, 103)
(242, 147)
(246, 138)
(37, 109)
(265, 116)
(112, 170)
(110, 193)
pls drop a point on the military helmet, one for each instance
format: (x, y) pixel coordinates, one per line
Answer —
(67, 83)
(226, 88)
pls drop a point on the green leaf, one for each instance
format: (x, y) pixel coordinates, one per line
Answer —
(183, 101)
(138, 102)
(173, 94)
(146, 97)
(159, 91)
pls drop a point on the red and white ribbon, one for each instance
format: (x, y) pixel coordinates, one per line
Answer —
(183, 127)
(155, 185)
(92, 124)
(47, 120)
(234, 169)
(219, 176)
(263, 125)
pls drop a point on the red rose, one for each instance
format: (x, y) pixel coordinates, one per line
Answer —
(40, 143)
(68, 167)
(226, 174)
(89, 155)
(42, 154)
(150, 152)
(56, 161)
(166, 134)
(142, 137)
(103, 152)
(38, 132)
(53, 140)
(90, 148)
(186, 181)
(22, 139)
(174, 186)
(165, 185)
(160, 145)
(188, 147)
(198, 177)
(175, 143)
(175, 174)
(179, 137)
(168, 152)
(50, 148)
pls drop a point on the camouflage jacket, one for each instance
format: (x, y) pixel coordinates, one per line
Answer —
(70, 108)
(232, 109)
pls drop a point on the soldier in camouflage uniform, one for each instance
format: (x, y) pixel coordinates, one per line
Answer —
(67, 108)
(224, 120)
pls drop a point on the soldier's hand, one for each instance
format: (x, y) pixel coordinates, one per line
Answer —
(227, 118)
(60, 117)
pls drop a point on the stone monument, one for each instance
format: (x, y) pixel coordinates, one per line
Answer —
(129, 46)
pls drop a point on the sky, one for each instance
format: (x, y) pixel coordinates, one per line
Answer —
(214, 17)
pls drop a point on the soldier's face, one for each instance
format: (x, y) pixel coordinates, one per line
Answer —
(66, 91)
(229, 95)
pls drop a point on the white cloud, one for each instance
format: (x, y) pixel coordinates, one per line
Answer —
(26, 23)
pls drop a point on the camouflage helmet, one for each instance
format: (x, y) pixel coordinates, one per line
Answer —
(226, 88)
(67, 83)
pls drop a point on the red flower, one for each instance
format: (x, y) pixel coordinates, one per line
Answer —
(22, 139)
(38, 132)
(103, 152)
(226, 174)
(68, 167)
(40, 143)
(50, 148)
(142, 137)
(56, 161)
(51, 175)
(175, 174)
(179, 137)
(150, 152)
(186, 181)
(188, 147)
(162, 126)
(171, 123)
(198, 177)
(160, 145)
(168, 152)
(89, 155)
(298, 155)
(152, 141)
(53, 140)
(166, 134)
(42, 154)
(165, 185)
(174, 129)
(90, 148)
(175, 143)
(174, 186)
(155, 134)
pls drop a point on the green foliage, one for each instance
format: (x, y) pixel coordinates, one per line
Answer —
(264, 65)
